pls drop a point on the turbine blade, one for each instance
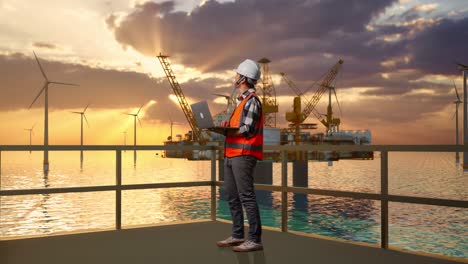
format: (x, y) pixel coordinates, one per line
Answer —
(338, 102)
(86, 119)
(453, 115)
(139, 109)
(139, 121)
(456, 91)
(75, 112)
(33, 126)
(62, 83)
(40, 67)
(461, 65)
(40, 92)
(85, 108)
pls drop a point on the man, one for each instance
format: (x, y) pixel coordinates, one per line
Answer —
(242, 149)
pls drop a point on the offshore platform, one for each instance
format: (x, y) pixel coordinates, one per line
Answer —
(297, 133)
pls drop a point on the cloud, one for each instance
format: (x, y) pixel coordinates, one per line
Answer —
(436, 49)
(216, 36)
(298, 37)
(44, 45)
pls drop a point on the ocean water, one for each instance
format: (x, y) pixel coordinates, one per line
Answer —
(433, 229)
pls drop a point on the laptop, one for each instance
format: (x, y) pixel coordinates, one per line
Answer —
(204, 119)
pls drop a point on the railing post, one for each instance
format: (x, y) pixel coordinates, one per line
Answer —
(0, 169)
(213, 186)
(284, 193)
(118, 191)
(384, 198)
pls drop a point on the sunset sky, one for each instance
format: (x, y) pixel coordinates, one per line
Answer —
(397, 78)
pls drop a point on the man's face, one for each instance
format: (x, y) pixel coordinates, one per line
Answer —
(236, 78)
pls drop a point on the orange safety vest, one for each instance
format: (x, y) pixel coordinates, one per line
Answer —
(239, 145)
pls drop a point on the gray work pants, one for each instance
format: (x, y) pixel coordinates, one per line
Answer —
(239, 188)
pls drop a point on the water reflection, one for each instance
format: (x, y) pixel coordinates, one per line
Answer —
(44, 205)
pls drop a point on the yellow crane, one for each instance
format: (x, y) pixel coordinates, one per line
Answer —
(197, 134)
(298, 116)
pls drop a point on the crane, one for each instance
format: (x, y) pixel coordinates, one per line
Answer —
(299, 94)
(298, 116)
(197, 134)
(324, 85)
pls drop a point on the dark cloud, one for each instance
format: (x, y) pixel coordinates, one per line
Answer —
(216, 36)
(436, 49)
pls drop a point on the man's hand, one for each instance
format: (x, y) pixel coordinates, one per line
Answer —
(226, 132)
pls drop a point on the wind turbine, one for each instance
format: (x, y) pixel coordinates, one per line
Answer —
(83, 115)
(457, 104)
(135, 117)
(45, 89)
(30, 133)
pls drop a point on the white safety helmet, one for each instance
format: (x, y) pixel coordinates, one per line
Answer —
(249, 69)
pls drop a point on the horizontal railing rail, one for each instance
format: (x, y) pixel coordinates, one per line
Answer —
(389, 148)
(13, 192)
(102, 147)
(384, 197)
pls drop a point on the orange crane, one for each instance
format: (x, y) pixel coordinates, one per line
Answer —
(197, 134)
(298, 116)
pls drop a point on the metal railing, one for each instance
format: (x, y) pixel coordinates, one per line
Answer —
(384, 197)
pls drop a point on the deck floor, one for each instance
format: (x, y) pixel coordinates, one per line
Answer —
(192, 243)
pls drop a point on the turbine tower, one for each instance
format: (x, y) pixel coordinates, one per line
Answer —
(83, 115)
(30, 133)
(457, 104)
(45, 89)
(135, 117)
(464, 70)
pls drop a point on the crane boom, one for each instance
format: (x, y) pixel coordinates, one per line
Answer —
(324, 85)
(298, 92)
(163, 59)
(291, 84)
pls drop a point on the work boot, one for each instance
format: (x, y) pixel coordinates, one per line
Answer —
(247, 246)
(230, 241)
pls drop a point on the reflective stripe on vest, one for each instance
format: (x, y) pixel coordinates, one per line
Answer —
(238, 145)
